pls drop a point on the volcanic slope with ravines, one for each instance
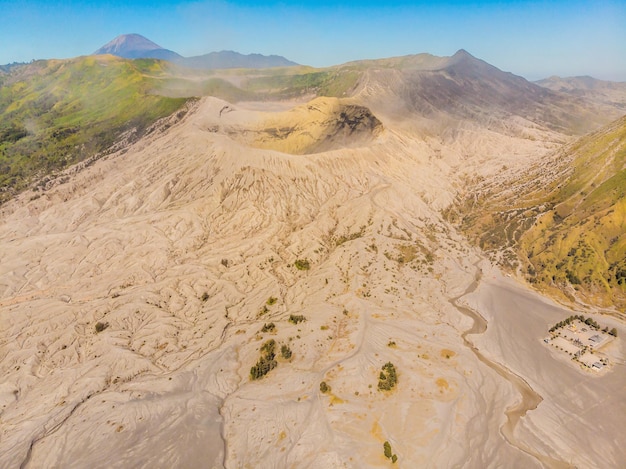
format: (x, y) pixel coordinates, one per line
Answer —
(139, 294)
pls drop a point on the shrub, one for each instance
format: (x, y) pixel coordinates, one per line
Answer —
(302, 264)
(262, 367)
(388, 453)
(269, 327)
(271, 300)
(388, 378)
(285, 352)
(100, 326)
(205, 296)
(267, 362)
(269, 347)
(296, 318)
(387, 449)
(324, 388)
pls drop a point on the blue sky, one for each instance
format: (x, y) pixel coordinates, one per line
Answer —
(534, 39)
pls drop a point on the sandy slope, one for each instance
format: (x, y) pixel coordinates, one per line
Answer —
(137, 239)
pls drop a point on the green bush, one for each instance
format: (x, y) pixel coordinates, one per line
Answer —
(388, 378)
(388, 453)
(324, 388)
(269, 347)
(296, 318)
(285, 352)
(387, 449)
(267, 362)
(262, 367)
(302, 264)
(269, 327)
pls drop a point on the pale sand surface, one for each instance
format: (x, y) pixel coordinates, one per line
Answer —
(579, 419)
(135, 241)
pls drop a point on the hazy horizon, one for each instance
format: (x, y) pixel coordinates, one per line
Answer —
(534, 39)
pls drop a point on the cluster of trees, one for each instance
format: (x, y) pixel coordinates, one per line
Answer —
(268, 327)
(267, 362)
(285, 351)
(388, 378)
(388, 453)
(566, 322)
(589, 321)
(296, 318)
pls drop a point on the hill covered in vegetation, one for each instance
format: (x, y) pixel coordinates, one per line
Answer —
(55, 113)
(564, 221)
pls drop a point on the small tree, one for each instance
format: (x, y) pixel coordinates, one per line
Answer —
(302, 264)
(266, 362)
(296, 318)
(388, 378)
(268, 327)
(285, 352)
(324, 388)
(387, 449)
(388, 453)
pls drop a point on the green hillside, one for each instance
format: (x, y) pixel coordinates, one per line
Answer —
(566, 221)
(256, 85)
(56, 112)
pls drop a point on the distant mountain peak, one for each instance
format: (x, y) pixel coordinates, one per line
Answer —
(133, 46)
(136, 46)
(462, 53)
(462, 56)
(127, 41)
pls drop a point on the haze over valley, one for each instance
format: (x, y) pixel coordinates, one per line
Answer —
(233, 260)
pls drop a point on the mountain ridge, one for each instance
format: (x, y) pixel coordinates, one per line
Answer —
(611, 93)
(136, 46)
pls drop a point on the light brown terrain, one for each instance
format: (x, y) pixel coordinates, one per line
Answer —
(184, 245)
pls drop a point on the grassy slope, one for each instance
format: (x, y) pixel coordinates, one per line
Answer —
(54, 113)
(331, 83)
(568, 230)
(267, 84)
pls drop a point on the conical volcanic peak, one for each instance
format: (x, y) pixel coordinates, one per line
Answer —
(134, 46)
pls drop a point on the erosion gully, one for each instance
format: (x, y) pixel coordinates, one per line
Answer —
(530, 399)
